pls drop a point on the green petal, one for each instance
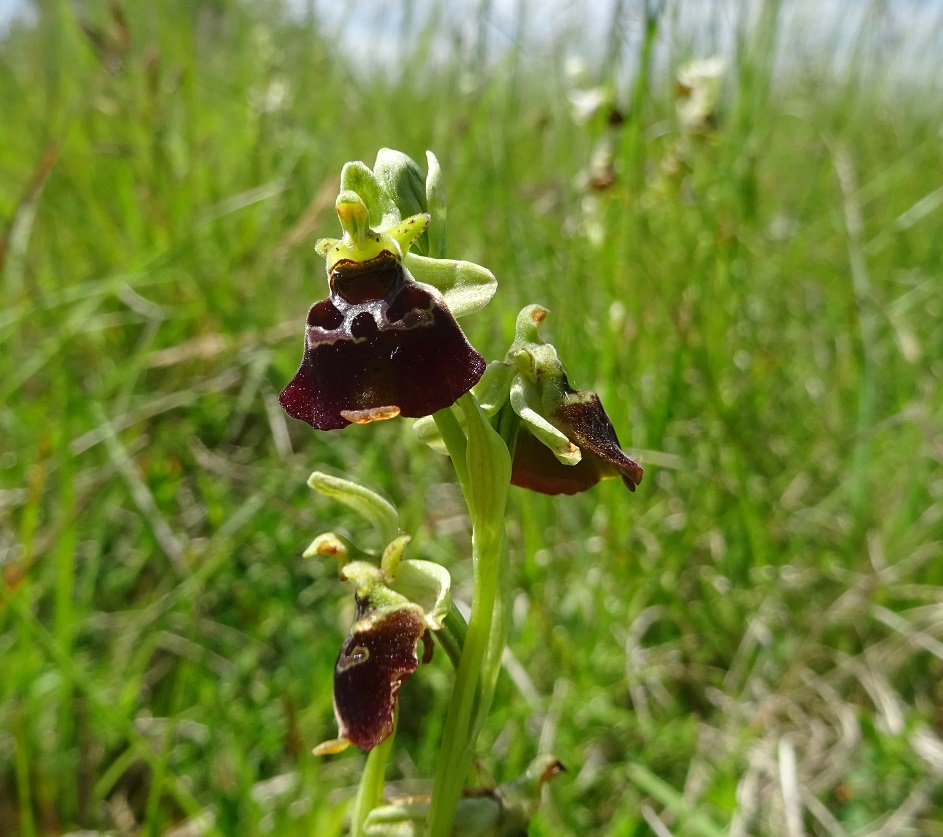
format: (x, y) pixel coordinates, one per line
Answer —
(467, 287)
(322, 245)
(333, 546)
(393, 556)
(522, 394)
(407, 231)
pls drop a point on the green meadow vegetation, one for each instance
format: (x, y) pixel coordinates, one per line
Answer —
(750, 644)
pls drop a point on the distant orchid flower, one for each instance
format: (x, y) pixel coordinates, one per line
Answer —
(698, 93)
(586, 99)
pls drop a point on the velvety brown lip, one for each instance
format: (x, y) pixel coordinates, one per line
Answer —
(381, 345)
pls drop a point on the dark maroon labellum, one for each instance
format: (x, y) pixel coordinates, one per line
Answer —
(374, 662)
(382, 345)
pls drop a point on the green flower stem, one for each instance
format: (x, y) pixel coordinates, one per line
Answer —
(370, 791)
(497, 639)
(508, 424)
(487, 468)
(455, 444)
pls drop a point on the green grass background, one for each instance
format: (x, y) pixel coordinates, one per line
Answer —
(752, 643)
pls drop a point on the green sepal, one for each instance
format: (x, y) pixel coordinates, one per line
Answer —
(492, 392)
(428, 585)
(401, 178)
(427, 431)
(377, 510)
(466, 286)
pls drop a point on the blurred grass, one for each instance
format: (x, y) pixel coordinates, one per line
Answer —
(751, 643)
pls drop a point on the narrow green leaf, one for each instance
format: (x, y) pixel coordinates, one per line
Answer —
(695, 822)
